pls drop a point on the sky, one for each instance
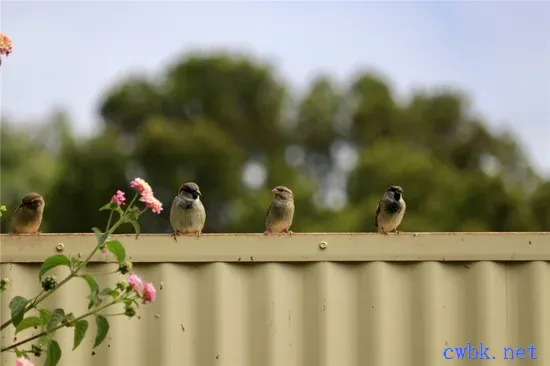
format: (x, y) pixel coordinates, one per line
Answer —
(67, 53)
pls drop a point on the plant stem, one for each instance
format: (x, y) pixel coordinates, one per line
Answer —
(33, 302)
(106, 315)
(43, 333)
(43, 297)
(102, 274)
(109, 222)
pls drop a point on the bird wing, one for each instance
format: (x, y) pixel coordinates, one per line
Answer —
(14, 217)
(376, 214)
(268, 209)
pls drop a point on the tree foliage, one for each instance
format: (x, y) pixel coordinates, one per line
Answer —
(211, 117)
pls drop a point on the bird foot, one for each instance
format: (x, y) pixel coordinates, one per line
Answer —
(267, 232)
(175, 235)
(288, 232)
(397, 232)
(198, 233)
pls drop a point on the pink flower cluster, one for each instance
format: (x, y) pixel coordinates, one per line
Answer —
(145, 290)
(147, 196)
(118, 198)
(5, 45)
(22, 361)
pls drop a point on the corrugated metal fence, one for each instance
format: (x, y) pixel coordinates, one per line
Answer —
(308, 299)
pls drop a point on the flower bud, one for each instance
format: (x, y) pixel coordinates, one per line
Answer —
(130, 311)
(36, 350)
(121, 285)
(68, 321)
(125, 267)
(4, 284)
(49, 283)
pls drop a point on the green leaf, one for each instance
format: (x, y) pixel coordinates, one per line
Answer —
(43, 341)
(28, 322)
(108, 206)
(18, 353)
(75, 262)
(57, 317)
(17, 306)
(54, 354)
(127, 302)
(102, 329)
(52, 262)
(80, 329)
(99, 235)
(135, 224)
(45, 316)
(95, 300)
(109, 292)
(116, 247)
(94, 291)
(91, 282)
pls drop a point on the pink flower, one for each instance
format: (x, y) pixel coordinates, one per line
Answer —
(141, 186)
(149, 292)
(118, 198)
(151, 202)
(135, 283)
(21, 361)
(5, 45)
(147, 196)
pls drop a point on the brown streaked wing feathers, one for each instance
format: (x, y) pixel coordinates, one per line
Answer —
(376, 214)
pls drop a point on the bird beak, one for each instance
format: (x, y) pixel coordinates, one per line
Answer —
(199, 193)
(274, 191)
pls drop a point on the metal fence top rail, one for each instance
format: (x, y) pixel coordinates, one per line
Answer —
(298, 247)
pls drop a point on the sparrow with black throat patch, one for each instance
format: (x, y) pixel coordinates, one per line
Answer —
(187, 214)
(390, 210)
(280, 212)
(28, 215)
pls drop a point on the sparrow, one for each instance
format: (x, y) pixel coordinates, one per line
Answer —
(28, 215)
(280, 212)
(390, 210)
(187, 214)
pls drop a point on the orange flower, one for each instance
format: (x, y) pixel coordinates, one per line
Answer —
(5, 45)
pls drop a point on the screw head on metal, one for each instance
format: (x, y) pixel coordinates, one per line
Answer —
(323, 245)
(59, 247)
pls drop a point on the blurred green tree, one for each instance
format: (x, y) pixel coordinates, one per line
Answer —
(228, 122)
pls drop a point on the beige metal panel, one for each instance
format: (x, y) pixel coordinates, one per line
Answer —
(346, 313)
(292, 248)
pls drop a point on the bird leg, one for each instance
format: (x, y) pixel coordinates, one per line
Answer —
(288, 231)
(382, 231)
(198, 233)
(175, 235)
(267, 231)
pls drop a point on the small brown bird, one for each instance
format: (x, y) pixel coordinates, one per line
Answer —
(187, 215)
(28, 215)
(390, 210)
(280, 212)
